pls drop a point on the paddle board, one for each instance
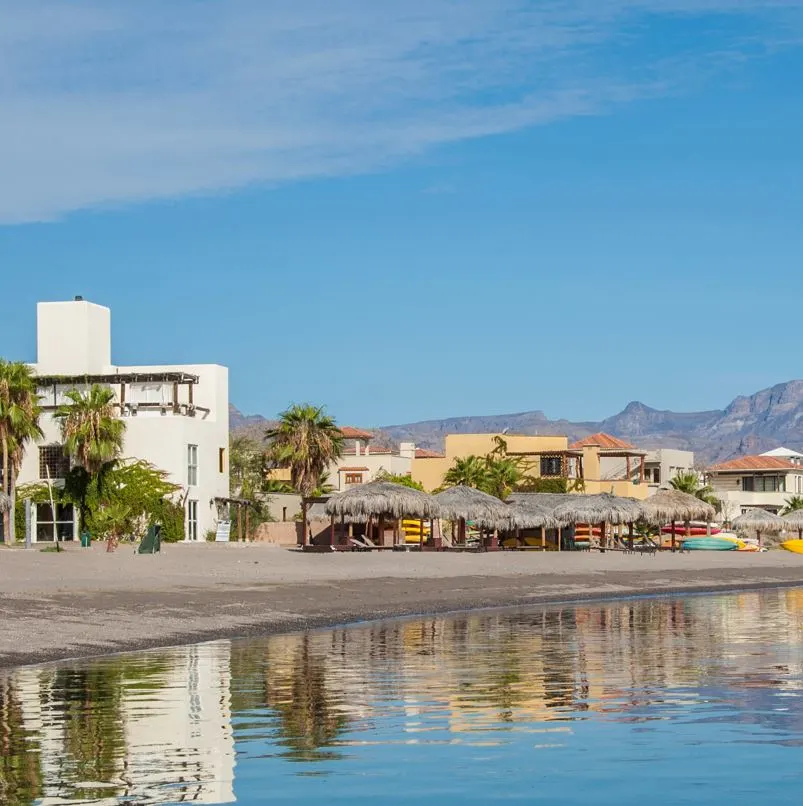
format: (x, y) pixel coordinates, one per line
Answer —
(795, 546)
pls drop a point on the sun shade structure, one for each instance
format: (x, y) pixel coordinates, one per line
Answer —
(467, 504)
(758, 521)
(383, 499)
(668, 506)
(531, 515)
(601, 508)
(794, 520)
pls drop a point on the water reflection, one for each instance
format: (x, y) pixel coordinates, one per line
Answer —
(168, 726)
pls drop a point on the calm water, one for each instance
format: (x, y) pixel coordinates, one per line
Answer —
(694, 700)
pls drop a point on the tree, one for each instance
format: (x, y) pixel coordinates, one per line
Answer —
(793, 504)
(399, 478)
(19, 424)
(306, 440)
(690, 483)
(92, 433)
(502, 476)
(247, 467)
(468, 471)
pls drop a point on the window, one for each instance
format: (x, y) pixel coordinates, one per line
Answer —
(353, 478)
(764, 484)
(656, 475)
(52, 461)
(64, 524)
(192, 520)
(192, 465)
(221, 460)
(551, 466)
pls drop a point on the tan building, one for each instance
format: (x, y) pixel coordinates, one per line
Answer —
(749, 482)
(599, 463)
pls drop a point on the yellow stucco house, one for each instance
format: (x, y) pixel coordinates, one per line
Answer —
(599, 463)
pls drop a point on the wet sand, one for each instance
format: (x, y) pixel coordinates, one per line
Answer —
(86, 602)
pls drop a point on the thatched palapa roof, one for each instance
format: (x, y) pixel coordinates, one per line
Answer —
(546, 500)
(601, 508)
(528, 514)
(759, 520)
(383, 498)
(674, 505)
(794, 519)
(466, 503)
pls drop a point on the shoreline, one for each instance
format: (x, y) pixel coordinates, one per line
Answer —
(86, 603)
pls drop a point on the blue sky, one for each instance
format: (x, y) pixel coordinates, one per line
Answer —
(419, 209)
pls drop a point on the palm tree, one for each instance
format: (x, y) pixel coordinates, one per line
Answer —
(307, 440)
(793, 504)
(92, 432)
(690, 483)
(502, 477)
(19, 424)
(468, 471)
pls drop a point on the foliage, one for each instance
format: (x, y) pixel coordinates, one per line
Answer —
(19, 424)
(399, 478)
(468, 471)
(496, 474)
(248, 467)
(21, 780)
(547, 485)
(307, 441)
(92, 433)
(793, 504)
(690, 483)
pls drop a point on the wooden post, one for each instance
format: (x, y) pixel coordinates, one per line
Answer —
(673, 534)
(421, 534)
(302, 540)
(641, 470)
(381, 537)
(332, 531)
(436, 540)
(240, 523)
(344, 540)
(247, 523)
(630, 535)
(603, 536)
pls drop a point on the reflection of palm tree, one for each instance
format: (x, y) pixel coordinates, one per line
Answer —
(20, 770)
(308, 715)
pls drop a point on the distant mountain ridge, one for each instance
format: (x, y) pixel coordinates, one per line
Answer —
(749, 424)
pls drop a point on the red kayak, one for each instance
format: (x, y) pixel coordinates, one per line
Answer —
(694, 531)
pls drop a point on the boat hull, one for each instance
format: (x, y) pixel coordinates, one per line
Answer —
(709, 544)
(795, 546)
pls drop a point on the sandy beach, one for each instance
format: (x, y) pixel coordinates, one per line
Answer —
(87, 602)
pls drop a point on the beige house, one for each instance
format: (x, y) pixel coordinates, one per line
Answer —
(664, 464)
(764, 482)
(599, 463)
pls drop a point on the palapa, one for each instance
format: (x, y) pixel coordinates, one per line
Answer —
(463, 503)
(600, 508)
(674, 505)
(795, 520)
(759, 520)
(528, 514)
(383, 499)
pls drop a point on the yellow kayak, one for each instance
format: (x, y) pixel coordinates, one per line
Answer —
(795, 546)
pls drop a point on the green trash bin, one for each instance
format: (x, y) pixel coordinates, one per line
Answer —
(86, 540)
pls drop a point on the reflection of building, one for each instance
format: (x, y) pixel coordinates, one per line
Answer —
(177, 417)
(764, 482)
(167, 738)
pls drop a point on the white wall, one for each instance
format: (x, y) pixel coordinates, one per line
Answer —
(73, 338)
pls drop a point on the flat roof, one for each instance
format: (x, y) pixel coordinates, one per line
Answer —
(117, 377)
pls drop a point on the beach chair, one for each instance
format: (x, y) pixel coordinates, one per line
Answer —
(152, 542)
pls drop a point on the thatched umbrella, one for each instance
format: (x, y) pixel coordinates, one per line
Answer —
(530, 515)
(759, 520)
(674, 505)
(467, 504)
(795, 520)
(602, 509)
(383, 499)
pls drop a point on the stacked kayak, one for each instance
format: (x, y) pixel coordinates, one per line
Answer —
(714, 543)
(795, 546)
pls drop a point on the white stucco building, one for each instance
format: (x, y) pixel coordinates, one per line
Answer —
(176, 416)
(664, 464)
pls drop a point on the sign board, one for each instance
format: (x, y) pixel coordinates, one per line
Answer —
(223, 532)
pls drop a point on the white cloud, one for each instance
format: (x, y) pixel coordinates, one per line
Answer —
(114, 102)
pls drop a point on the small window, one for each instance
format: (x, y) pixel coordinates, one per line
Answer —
(192, 520)
(192, 465)
(221, 460)
(748, 484)
(63, 527)
(551, 466)
(353, 478)
(53, 463)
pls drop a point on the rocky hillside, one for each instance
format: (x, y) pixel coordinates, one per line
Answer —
(751, 424)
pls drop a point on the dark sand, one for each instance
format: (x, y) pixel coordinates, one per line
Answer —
(86, 602)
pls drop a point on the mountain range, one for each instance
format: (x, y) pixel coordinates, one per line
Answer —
(749, 424)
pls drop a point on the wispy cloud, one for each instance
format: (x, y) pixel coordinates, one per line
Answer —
(113, 102)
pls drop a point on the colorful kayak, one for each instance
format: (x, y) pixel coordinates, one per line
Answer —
(710, 544)
(795, 546)
(694, 531)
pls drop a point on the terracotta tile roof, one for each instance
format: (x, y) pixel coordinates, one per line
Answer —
(423, 453)
(351, 469)
(756, 463)
(604, 441)
(355, 433)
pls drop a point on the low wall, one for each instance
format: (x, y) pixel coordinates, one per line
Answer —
(278, 533)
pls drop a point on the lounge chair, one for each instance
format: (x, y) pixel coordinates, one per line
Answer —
(152, 542)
